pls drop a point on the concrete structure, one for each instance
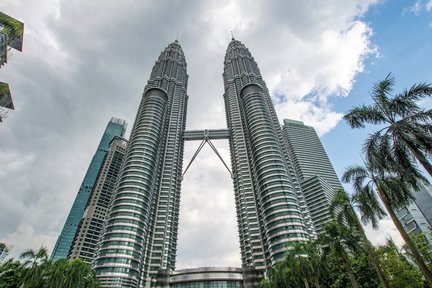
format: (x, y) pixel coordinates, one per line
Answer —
(91, 225)
(417, 216)
(140, 240)
(317, 176)
(267, 193)
(116, 127)
(11, 37)
(214, 277)
(138, 247)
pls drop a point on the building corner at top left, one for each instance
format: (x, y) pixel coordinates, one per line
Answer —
(11, 37)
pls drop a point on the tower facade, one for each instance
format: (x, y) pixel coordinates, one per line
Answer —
(116, 127)
(140, 237)
(318, 179)
(266, 190)
(91, 225)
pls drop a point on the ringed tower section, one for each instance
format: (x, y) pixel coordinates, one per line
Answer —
(140, 235)
(268, 210)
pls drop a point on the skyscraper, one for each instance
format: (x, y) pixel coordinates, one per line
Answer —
(116, 127)
(140, 238)
(269, 213)
(139, 243)
(91, 225)
(417, 216)
(318, 179)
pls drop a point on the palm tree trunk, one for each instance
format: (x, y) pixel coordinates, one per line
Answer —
(415, 253)
(422, 159)
(347, 265)
(373, 257)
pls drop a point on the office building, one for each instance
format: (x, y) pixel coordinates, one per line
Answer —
(140, 238)
(138, 247)
(318, 179)
(91, 225)
(115, 127)
(417, 216)
(269, 213)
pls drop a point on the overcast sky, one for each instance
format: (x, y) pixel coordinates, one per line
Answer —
(86, 61)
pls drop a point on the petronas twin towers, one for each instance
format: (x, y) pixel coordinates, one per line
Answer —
(139, 243)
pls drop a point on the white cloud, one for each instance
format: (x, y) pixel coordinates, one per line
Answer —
(386, 230)
(429, 5)
(85, 61)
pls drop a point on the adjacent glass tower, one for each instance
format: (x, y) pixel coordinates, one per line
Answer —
(269, 212)
(91, 225)
(140, 237)
(116, 127)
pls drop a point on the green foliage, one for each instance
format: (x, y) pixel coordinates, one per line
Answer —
(400, 272)
(36, 271)
(10, 274)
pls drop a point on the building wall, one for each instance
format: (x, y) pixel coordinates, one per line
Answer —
(140, 238)
(415, 217)
(319, 181)
(268, 209)
(91, 225)
(116, 127)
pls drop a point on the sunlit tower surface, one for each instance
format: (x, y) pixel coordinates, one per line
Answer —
(11, 37)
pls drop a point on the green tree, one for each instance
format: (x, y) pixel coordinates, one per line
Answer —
(34, 263)
(423, 245)
(341, 240)
(394, 191)
(342, 209)
(405, 128)
(400, 272)
(10, 274)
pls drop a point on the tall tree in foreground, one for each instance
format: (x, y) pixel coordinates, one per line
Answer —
(405, 127)
(394, 191)
(342, 209)
(34, 264)
(340, 239)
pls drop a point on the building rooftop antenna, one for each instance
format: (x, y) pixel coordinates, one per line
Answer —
(232, 35)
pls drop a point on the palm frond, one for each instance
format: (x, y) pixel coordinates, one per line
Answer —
(360, 115)
(354, 172)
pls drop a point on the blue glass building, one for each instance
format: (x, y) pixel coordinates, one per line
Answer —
(116, 127)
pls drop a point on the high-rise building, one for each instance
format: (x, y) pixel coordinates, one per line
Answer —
(11, 36)
(138, 247)
(417, 216)
(91, 225)
(116, 127)
(317, 176)
(140, 238)
(269, 212)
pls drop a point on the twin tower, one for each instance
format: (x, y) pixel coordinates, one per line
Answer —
(138, 246)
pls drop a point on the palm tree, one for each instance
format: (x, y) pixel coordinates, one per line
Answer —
(394, 191)
(33, 258)
(342, 209)
(407, 127)
(34, 264)
(340, 239)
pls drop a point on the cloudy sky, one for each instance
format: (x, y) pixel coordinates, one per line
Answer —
(86, 61)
